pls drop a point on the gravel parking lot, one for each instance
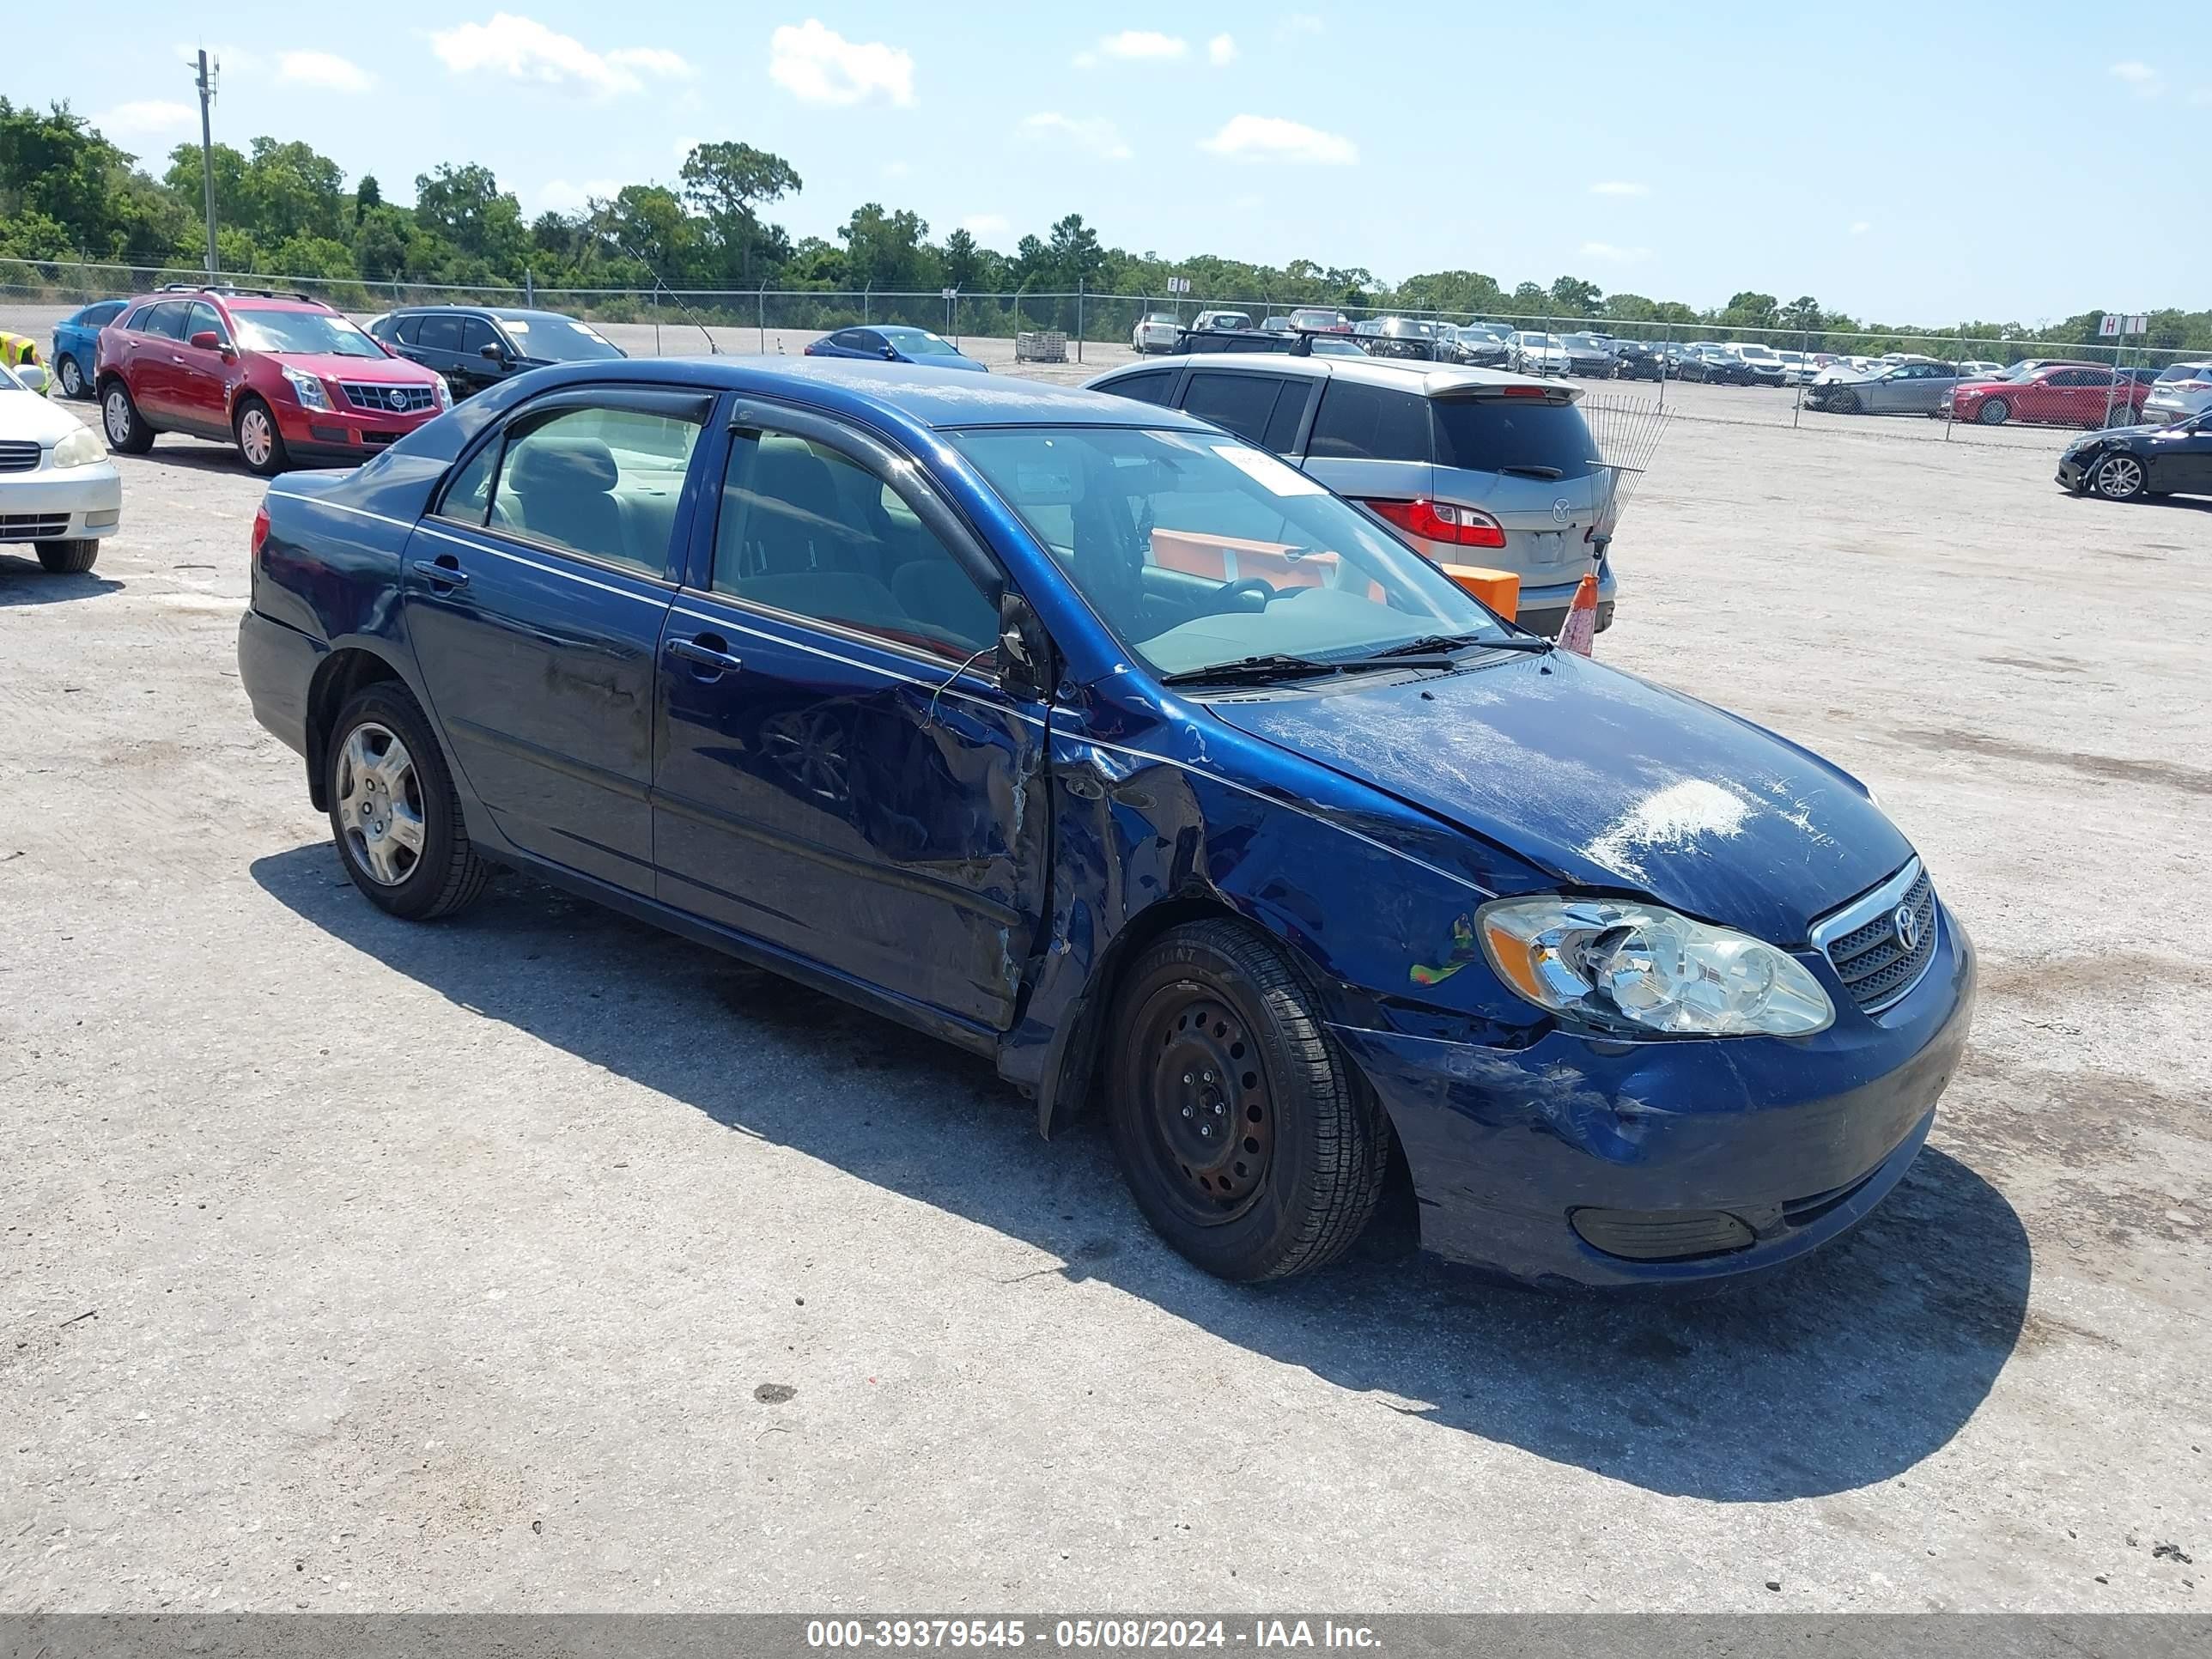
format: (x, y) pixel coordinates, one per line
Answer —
(536, 1259)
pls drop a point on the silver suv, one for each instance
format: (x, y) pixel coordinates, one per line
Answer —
(1471, 466)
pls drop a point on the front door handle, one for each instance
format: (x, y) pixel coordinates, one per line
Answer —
(705, 652)
(441, 573)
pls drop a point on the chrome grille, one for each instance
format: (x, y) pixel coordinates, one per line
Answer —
(378, 397)
(32, 526)
(18, 455)
(1866, 947)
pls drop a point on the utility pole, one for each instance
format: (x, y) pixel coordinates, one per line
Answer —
(207, 79)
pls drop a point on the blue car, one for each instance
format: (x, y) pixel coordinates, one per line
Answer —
(77, 345)
(894, 345)
(1317, 885)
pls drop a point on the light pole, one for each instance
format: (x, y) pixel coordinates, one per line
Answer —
(206, 84)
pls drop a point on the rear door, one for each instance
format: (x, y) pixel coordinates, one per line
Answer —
(438, 345)
(842, 774)
(535, 594)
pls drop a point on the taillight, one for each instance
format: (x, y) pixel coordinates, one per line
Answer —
(1441, 521)
(260, 530)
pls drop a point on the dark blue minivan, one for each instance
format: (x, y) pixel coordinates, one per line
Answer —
(1315, 883)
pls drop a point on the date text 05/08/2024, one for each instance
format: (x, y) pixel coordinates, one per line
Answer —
(1088, 1635)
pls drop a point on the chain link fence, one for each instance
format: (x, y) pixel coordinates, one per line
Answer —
(1947, 385)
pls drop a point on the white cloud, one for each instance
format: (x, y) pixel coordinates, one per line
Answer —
(1612, 255)
(559, 195)
(151, 117)
(1270, 138)
(1221, 49)
(1860, 227)
(325, 69)
(817, 65)
(1100, 136)
(1144, 45)
(985, 224)
(2146, 82)
(1618, 187)
(524, 49)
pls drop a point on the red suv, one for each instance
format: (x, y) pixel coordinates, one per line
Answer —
(286, 379)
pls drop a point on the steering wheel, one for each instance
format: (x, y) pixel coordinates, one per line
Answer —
(1230, 592)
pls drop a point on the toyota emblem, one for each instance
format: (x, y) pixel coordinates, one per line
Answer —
(398, 396)
(1561, 510)
(1907, 921)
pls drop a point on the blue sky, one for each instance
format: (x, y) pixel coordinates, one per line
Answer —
(1926, 163)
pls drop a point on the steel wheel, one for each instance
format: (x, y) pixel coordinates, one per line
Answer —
(380, 804)
(257, 435)
(2119, 477)
(1208, 1110)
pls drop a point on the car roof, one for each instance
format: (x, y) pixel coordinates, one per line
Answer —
(1434, 379)
(911, 395)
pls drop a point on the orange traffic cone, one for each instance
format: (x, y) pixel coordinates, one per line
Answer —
(1579, 633)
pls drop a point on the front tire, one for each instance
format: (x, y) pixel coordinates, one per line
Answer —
(258, 441)
(394, 812)
(2119, 478)
(1996, 412)
(1249, 1142)
(71, 558)
(71, 377)
(126, 428)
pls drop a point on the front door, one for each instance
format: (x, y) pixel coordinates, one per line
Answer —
(156, 366)
(535, 597)
(202, 373)
(842, 774)
(2180, 458)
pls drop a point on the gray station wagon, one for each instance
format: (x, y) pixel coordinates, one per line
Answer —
(1471, 466)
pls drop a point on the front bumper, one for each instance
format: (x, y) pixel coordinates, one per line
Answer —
(1517, 1155)
(344, 434)
(61, 504)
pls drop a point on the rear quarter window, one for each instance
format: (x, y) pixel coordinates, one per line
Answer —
(1241, 403)
(1492, 435)
(1370, 423)
(1151, 387)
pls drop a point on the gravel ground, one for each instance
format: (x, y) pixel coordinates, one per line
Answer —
(537, 1261)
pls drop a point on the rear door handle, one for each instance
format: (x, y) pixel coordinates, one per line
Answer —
(705, 652)
(440, 573)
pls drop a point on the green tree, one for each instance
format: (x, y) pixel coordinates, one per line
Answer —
(886, 250)
(465, 206)
(729, 183)
(1573, 297)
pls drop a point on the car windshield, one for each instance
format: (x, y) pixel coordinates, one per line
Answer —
(2021, 371)
(921, 342)
(559, 339)
(301, 333)
(8, 382)
(1125, 512)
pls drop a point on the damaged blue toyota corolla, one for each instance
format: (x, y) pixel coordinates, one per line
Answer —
(896, 681)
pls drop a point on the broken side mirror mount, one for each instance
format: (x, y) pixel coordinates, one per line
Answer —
(1025, 666)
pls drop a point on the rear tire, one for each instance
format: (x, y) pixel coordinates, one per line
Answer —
(71, 558)
(70, 376)
(1996, 412)
(254, 425)
(394, 812)
(126, 428)
(1249, 1142)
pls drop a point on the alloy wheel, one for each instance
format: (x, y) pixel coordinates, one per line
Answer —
(72, 378)
(256, 436)
(380, 803)
(2119, 476)
(115, 415)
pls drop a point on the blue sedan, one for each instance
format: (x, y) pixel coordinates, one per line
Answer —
(890, 344)
(1308, 883)
(77, 345)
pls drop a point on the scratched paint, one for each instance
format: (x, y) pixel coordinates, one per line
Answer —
(1693, 814)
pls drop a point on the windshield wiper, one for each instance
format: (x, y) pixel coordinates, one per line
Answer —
(1274, 665)
(1549, 474)
(1435, 642)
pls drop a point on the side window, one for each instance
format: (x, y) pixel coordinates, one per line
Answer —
(440, 332)
(468, 497)
(601, 482)
(476, 335)
(1370, 423)
(106, 312)
(1150, 387)
(202, 319)
(166, 319)
(803, 529)
(849, 339)
(1282, 432)
(1241, 403)
(407, 329)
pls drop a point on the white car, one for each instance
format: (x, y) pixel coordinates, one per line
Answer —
(2181, 390)
(1216, 321)
(1980, 369)
(1531, 352)
(1798, 367)
(1157, 331)
(58, 490)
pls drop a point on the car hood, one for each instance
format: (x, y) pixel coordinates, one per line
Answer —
(363, 371)
(1606, 782)
(25, 415)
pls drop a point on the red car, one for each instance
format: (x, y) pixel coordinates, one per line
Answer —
(2050, 394)
(288, 380)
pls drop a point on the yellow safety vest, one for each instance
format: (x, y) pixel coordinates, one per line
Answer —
(18, 349)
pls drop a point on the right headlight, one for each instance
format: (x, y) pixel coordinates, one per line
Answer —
(1633, 968)
(307, 388)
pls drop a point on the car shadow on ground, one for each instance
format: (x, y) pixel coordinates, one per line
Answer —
(1844, 1370)
(25, 581)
